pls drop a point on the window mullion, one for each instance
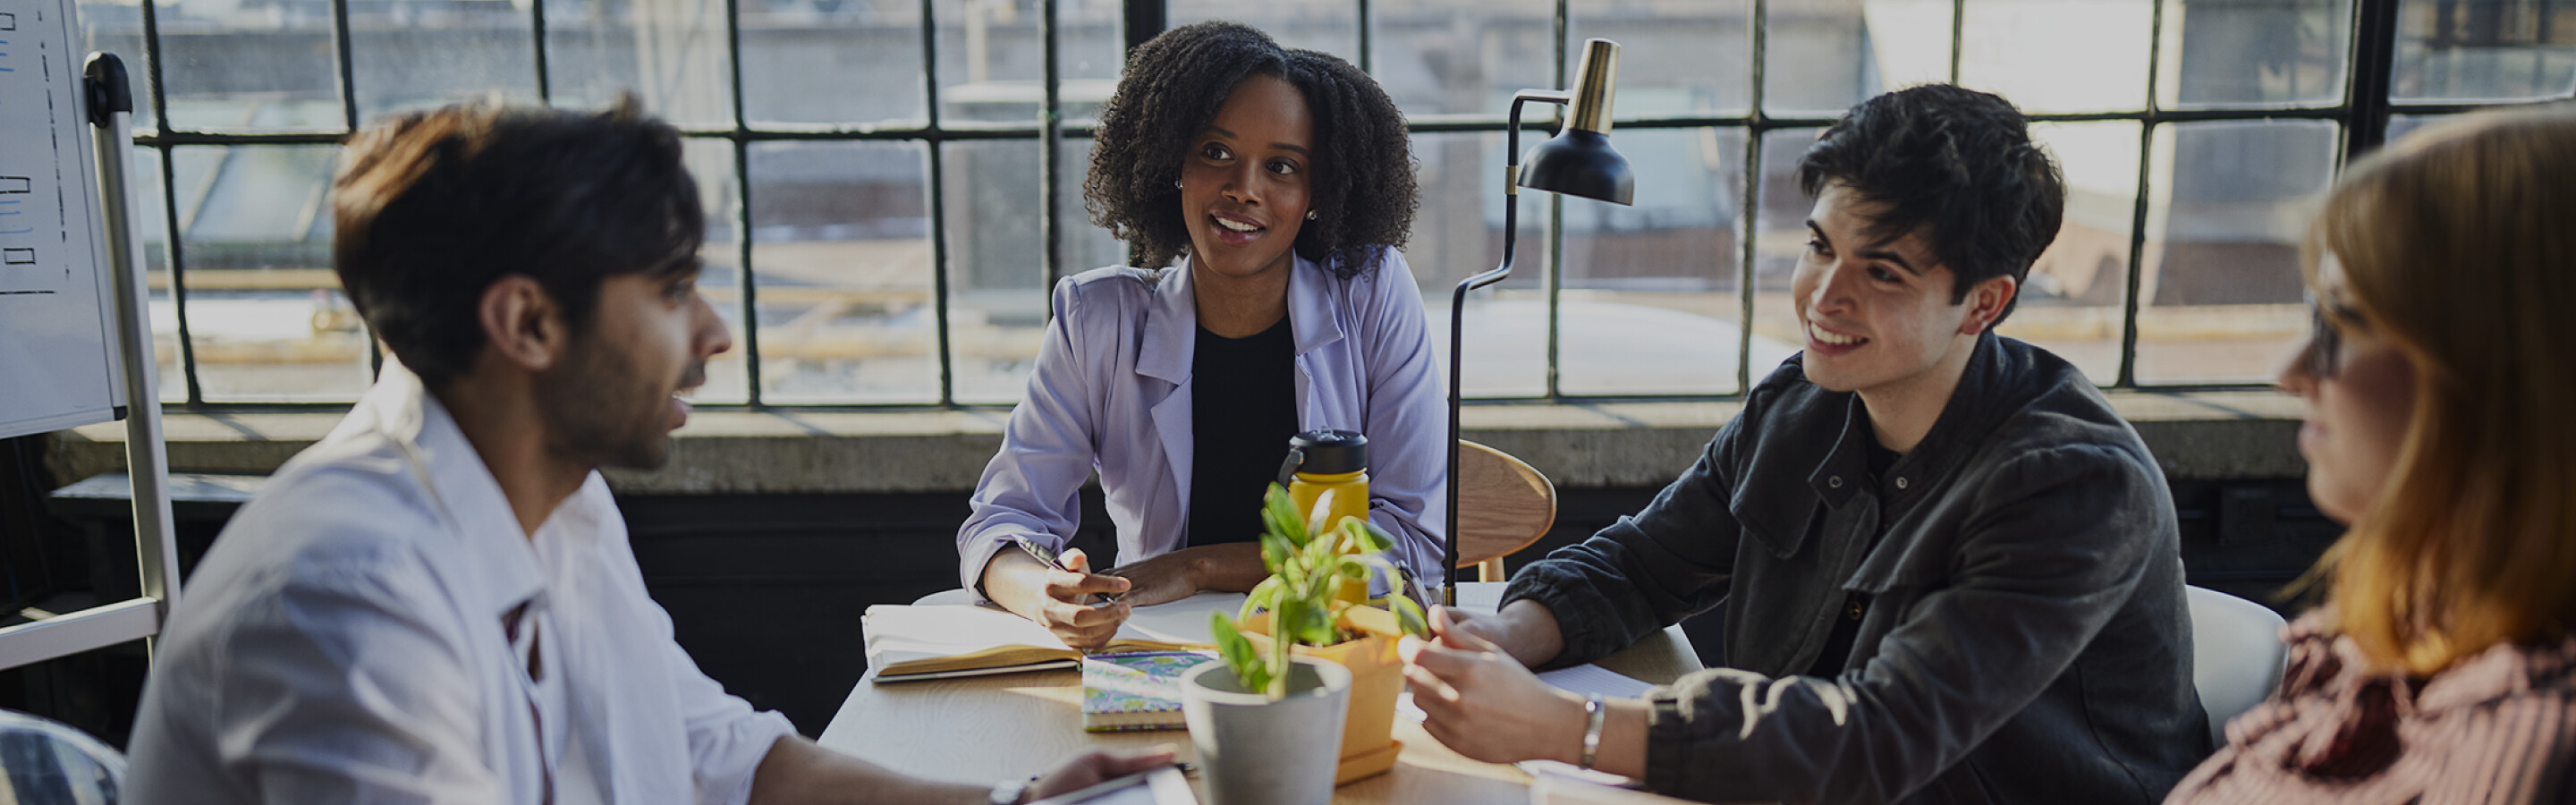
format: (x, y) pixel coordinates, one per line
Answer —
(2374, 58)
(2129, 303)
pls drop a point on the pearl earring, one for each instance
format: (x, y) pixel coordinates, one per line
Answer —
(1310, 215)
(1176, 184)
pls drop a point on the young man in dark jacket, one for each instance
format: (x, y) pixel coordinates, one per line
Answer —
(1949, 571)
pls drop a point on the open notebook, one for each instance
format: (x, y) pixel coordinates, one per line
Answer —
(935, 641)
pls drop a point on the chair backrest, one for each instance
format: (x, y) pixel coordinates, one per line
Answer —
(2237, 656)
(44, 762)
(1503, 506)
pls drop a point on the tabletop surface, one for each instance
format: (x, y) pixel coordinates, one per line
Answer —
(1014, 725)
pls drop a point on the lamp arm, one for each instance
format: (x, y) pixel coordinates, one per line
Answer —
(1457, 330)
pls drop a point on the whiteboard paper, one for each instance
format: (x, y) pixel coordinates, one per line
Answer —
(57, 366)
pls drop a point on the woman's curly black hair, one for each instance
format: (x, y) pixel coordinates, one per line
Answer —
(1362, 191)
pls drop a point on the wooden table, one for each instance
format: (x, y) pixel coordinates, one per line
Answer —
(1013, 725)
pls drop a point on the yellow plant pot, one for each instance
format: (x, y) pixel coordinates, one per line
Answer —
(1377, 677)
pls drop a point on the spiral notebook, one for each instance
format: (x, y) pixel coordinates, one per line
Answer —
(1135, 690)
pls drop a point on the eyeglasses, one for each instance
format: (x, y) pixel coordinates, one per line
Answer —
(2325, 343)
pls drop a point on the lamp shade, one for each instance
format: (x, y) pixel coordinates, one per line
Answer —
(1579, 163)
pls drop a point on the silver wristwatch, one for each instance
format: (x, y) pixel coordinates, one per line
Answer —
(1009, 792)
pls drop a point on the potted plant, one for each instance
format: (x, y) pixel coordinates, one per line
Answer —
(1260, 749)
(1316, 602)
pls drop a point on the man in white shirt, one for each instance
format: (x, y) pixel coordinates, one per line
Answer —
(437, 602)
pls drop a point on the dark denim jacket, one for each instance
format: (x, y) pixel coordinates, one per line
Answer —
(2026, 640)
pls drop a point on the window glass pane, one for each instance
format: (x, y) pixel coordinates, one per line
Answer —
(1649, 305)
(997, 296)
(409, 54)
(250, 66)
(1089, 53)
(1780, 237)
(1440, 57)
(2492, 50)
(670, 53)
(151, 219)
(1331, 26)
(991, 61)
(831, 61)
(2228, 204)
(116, 26)
(2223, 53)
(710, 161)
(1086, 246)
(842, 260)
(2058, 55)
(1457, 232)
(1682, 57)
(265, 313)
(1823, 56)
(2071, 303)
(2401, 125)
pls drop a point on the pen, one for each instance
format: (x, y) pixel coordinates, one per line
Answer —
(1047, 556)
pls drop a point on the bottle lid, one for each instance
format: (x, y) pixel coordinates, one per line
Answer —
(1328, 452)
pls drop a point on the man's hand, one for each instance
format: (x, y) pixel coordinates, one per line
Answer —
(798, 772)
(1485, 704)
(1526, 630)
(1094, 767)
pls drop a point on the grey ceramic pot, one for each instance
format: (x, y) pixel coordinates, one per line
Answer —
(1259, 752)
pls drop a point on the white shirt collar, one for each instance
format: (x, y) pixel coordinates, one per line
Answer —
(501, 568)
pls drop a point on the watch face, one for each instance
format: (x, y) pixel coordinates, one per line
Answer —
(1009, 792)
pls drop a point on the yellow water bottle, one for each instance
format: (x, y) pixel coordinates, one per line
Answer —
(1335, 461)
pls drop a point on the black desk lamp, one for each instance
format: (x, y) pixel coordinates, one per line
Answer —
(1578, 161)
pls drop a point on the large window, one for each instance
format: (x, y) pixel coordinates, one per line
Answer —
(890, 195)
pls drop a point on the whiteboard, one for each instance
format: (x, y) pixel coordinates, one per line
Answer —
(58, 366)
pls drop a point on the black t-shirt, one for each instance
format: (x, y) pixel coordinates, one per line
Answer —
(1838, 645)
(1243, 408)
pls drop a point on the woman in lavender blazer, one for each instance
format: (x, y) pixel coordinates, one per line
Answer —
(1276, 184)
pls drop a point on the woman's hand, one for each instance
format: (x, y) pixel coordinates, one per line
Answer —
(1484, 704)
(1065, 600)
(1232, 567)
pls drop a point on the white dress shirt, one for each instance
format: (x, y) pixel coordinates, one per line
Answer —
(344, 642)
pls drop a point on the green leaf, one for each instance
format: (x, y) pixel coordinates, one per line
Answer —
(1238, 653)
(1409, 615)
(1368, 536)
(1275, 549)
(1263, 596)
(1315, 523)
(1290, 612)
(1290, 524)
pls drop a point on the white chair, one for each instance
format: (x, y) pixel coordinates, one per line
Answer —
(2237, 656)
(43, 762)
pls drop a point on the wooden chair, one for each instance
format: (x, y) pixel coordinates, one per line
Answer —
(1504, 505)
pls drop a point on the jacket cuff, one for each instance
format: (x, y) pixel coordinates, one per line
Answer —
(971, 559)
(1667, 742)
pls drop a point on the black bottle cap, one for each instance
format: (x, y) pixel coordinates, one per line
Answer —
(1327, 452)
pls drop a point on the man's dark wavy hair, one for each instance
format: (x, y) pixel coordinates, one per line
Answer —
(431, 207)
(1362, 190)
(1956, 164)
